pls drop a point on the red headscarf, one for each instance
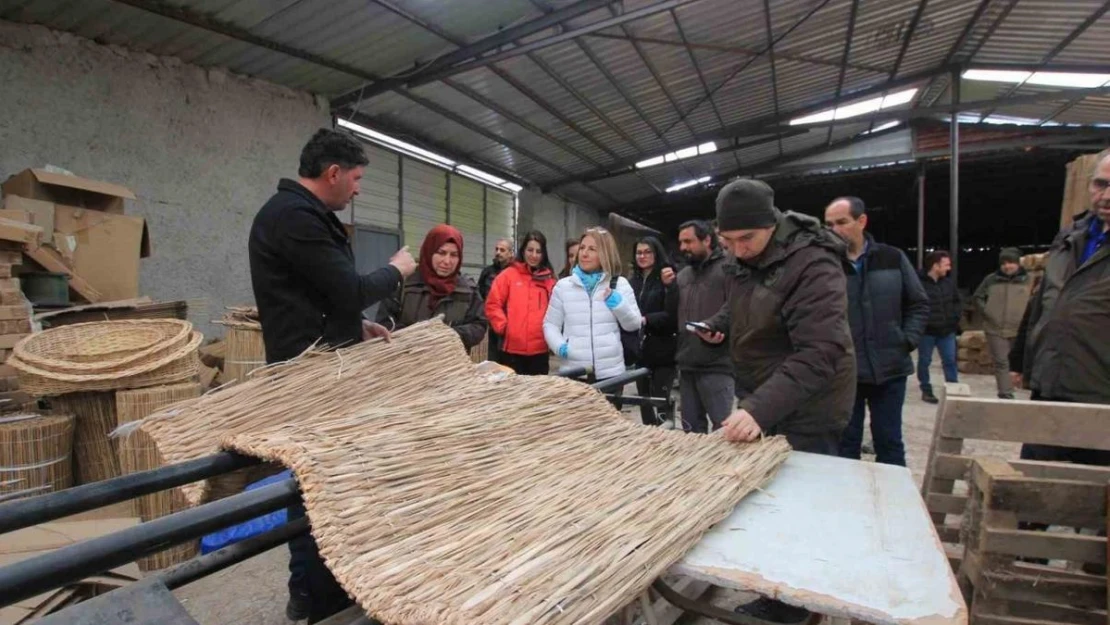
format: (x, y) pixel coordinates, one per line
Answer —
(439, 287)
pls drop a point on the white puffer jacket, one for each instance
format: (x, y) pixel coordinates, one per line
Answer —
(587, 324)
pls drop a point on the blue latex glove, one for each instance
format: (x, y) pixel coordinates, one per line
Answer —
(613, 300)
(563, 350)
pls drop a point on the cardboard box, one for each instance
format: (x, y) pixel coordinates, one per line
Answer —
(40, 212)
(39, 184)
(107, 251)
(51, 260)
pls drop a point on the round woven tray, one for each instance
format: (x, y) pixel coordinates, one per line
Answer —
(151, 363)
(103, 346)
(186, 367)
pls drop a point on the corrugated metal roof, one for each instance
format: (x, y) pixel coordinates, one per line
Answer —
(554, 115)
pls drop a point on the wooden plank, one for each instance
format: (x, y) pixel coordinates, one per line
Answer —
(948, 533)
(1087, 593)
(942, 445)
(1046, 423)
(946, 504)
(1045, 612)
(1062, 471)
(1051, 545)
(951, 466)
(1055, 502)
(52, 261)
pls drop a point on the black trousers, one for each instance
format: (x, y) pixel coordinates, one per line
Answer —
(658, 384)
(539, 364)
(310, 578)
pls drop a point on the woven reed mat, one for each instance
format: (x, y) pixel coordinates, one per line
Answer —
(439, 496)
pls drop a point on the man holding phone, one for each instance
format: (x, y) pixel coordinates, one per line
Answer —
(705, 370)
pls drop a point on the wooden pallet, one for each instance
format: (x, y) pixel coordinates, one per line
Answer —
(961, 418)
(1002, 590)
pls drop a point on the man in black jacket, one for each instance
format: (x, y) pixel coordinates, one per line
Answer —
(887, 309)
(945, 308)
(502, 256)
(308, 292)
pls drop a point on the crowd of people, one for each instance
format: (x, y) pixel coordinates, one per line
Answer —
(770, 322)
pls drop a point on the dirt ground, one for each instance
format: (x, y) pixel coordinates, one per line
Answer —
(253, 592)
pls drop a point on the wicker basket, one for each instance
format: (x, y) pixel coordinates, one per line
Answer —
(94, 453)
(177, 366)
(103, 347)
(35, 454)
(137, 452)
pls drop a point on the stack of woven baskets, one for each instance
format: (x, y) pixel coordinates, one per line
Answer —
(88, 369)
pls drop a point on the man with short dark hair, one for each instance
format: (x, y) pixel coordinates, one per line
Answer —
(502, 256)
(1002, 298)
(706, 383)
(887, 309)
(309, 292)
(945, 308)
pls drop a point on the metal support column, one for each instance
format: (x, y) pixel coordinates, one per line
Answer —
(921, 216)
(954, 175)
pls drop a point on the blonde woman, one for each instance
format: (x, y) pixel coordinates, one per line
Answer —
(589, 309)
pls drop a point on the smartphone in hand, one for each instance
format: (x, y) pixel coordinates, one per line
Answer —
(694, 326)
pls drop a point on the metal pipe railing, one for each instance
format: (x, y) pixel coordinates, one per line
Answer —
(209, 563)
(34, 510)
(34, 576)
(618, 381)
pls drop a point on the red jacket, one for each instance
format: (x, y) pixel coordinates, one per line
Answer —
(516, 307)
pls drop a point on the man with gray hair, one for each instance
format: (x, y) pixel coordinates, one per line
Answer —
(1062, 350)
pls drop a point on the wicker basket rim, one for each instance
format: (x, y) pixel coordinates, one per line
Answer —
(182, 331)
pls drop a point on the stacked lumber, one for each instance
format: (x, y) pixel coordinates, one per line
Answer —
(15, 323)
(973, 356)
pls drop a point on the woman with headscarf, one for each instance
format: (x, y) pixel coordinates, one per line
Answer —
(589, 309)
(659, 306)
(517, 304)
(438, 288)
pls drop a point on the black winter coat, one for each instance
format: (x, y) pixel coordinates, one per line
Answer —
(304, 277)
(659, 306)
(945, 306)
(887, 309)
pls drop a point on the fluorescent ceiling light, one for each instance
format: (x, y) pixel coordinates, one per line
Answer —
(397, 144)
(856, 109)
(431, 157)
(1046, 79)
(678, 155)
(689, 183)
(880, 128)
(1017, 121)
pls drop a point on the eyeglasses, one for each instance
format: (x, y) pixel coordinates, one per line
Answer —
(1100, 184)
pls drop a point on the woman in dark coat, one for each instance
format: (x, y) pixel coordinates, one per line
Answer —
(659, 307)
(439, 288)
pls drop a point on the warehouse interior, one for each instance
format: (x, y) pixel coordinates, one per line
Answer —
(965, 125)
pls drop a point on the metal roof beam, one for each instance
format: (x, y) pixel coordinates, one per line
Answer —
(446, 67)
(734, 49)
(773, 123)
(853, 11)
(735, 147)
(1068, 68)
(517, 119)
(502, 74)
(238, 33)
(701, 75)
(910, 31)
(465, 53)
(740, 69)
(771, 60)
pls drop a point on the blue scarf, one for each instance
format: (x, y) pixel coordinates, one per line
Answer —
(589, 280)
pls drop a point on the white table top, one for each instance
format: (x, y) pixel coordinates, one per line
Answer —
(839, 537)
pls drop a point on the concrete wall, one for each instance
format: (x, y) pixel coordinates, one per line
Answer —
(202, 149)
(557, 218)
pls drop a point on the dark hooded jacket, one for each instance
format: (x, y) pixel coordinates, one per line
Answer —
(945, 305)
(701, 293)
(786, 321)
(659, 306)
